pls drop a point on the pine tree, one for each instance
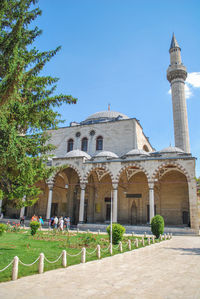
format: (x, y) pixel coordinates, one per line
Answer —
(27, 104)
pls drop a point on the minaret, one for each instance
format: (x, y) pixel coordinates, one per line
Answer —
(176, 75)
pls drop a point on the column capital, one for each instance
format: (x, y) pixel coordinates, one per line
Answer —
(115, 185)
(151, 185)
(82, 186)
(50, 186)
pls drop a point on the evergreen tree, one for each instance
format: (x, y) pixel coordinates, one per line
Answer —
(27, 104)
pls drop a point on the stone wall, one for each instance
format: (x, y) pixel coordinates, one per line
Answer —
(110, 131)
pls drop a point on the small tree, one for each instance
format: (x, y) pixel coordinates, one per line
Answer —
(117, 232)
(157, 225)
(34, 225)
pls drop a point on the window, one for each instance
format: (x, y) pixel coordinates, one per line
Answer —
(92, 133)
(99, 143)
(70, 145)
(78, 134)
(84, 144)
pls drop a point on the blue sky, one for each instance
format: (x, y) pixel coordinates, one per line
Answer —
(116, 51)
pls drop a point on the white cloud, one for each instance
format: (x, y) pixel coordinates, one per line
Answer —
(192, 81)
(188, 91)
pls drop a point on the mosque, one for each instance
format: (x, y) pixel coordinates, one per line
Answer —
(107, 157)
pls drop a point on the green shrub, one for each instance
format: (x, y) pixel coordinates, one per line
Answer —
(2, 228)
(34, 225)
(157, 225)
(117, 232)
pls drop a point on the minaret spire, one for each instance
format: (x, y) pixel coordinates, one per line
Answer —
(174, 43)
(176, 75)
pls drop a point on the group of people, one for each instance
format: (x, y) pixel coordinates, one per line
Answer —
(59, 223)
(38, 219)
(54, 222)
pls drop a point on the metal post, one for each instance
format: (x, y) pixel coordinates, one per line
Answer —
(111, 218)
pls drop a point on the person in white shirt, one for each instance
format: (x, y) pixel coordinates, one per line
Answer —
(55, 222)
(61, 223)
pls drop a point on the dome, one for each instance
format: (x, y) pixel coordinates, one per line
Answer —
(103, 116)
(137, 152)
(107, 114)
(171, 149)
(76, 154)
(106, 154)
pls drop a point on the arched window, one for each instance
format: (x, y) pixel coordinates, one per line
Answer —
(84, 144)
(99, 143)
(70, 145)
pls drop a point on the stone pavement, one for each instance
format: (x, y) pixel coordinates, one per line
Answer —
(167, 270)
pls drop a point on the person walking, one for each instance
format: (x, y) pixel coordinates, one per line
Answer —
(68, 223)
(61, 223)
(65, 222)
(22, 220)
(41, 222)
(55, 222)
(51, 221)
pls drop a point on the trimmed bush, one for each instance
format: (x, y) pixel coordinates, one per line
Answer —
(157, 225)
(34, 225)
(117, 232)
(2, 228)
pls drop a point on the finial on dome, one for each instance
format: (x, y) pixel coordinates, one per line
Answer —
(174, 43)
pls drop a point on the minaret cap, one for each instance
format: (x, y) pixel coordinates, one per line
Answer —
(174, 43)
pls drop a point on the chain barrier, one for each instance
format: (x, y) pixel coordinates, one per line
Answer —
(28, 265)
(73, 255)
(124, 246)
(52, 262)
(115, 248)
(90, 253)
(7, 266)
(104, 250)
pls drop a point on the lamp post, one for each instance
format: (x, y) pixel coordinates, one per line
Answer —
(111, 204)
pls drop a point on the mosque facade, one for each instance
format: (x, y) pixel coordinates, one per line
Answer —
(107, 159)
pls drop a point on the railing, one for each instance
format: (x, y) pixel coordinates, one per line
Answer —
(42, 258)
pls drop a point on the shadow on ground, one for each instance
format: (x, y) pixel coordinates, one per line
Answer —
(187, 251)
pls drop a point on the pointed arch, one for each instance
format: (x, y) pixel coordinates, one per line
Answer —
(137, 166)
(168, 166)
(94, 168)
(51, 180)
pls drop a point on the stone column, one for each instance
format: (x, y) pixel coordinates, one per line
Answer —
(194, 220)
(82, 202)
(115, 192)
(23, 208)
(48, 214)
(151, 201)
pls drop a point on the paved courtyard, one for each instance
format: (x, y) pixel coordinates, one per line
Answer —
(167, 270)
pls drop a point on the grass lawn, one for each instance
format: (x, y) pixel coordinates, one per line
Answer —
(51, 243)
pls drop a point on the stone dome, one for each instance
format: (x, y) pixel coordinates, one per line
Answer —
(107, 114)
(77, 154)
(104, 116)
(106, 154)
(171, 149)
(137, 152)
